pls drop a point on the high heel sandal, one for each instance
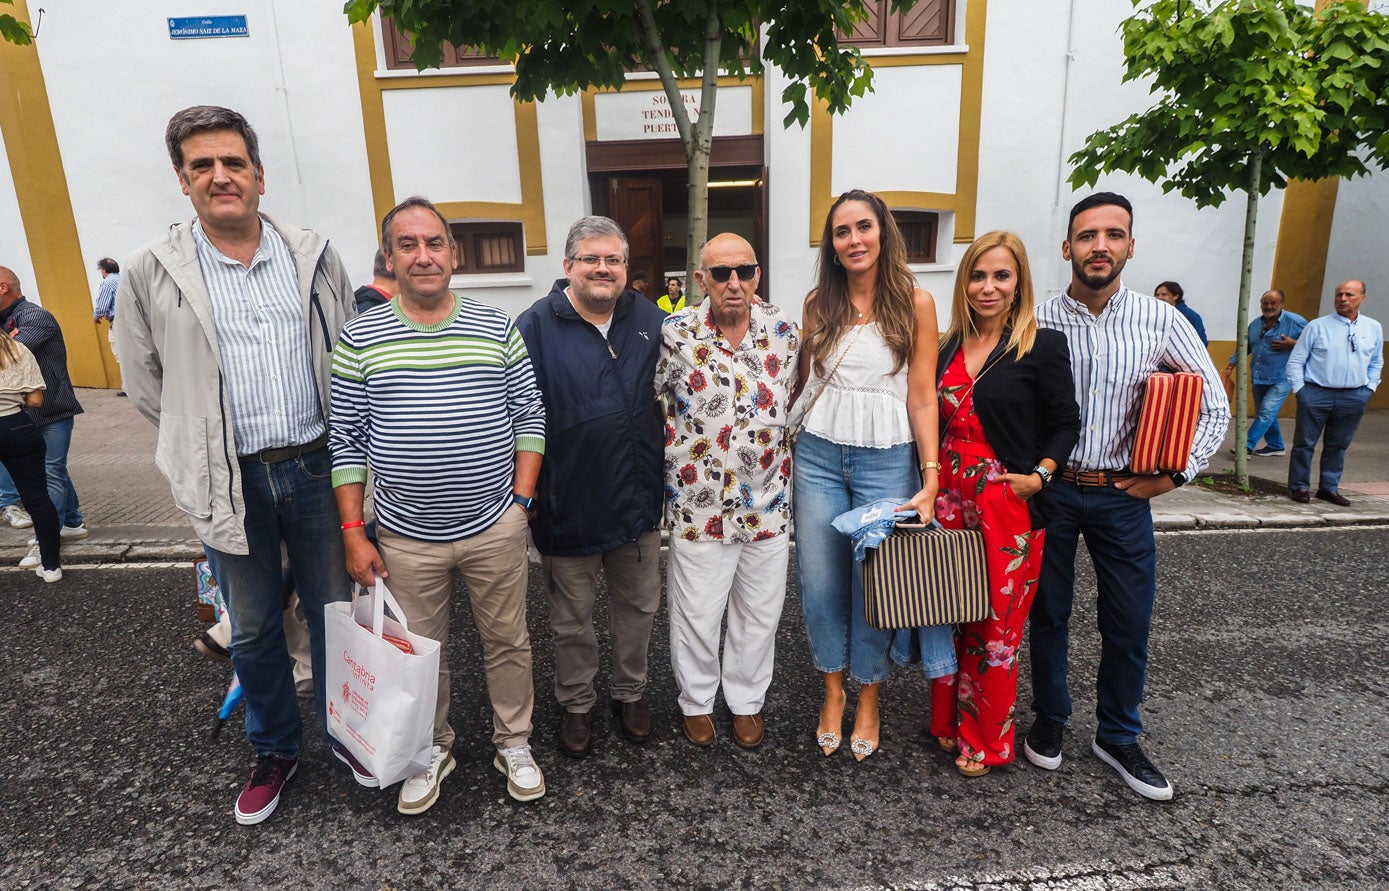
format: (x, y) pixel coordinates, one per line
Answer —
(829, 740)
(862, 748)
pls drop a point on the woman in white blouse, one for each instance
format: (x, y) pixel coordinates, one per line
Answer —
(868, 358)
(22, 449)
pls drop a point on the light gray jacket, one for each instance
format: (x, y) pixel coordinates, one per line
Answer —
(171, 367)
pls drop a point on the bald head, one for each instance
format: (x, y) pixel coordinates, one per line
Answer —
(1349, 295)
(728, 274)
(9, 287)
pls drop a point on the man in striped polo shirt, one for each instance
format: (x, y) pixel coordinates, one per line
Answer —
(435, 393)
(226, 329)
(1117, 339)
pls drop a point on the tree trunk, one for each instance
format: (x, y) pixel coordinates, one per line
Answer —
(698, 136)
(1246, 275)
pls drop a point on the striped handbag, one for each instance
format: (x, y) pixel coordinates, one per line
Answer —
(925, 575)
(1167, 422)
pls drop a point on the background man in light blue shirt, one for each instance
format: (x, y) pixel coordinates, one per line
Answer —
(1334, 369)
(1271, 339)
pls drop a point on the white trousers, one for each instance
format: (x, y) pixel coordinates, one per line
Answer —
(704, 578)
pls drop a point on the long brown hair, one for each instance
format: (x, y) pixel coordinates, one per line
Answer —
(895, 300)
(1022, 316)
(9, 353)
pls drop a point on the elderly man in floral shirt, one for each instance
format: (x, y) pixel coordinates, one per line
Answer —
(726, 373)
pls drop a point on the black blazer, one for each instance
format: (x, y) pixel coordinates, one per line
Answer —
(1027, 406)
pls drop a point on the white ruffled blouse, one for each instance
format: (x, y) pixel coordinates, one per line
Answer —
(864, 403)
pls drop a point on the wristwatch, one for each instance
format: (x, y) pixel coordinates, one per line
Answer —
(1044, 474)
(1178, 478)
(527, 504)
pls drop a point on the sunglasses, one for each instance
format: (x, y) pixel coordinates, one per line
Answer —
(720, 274)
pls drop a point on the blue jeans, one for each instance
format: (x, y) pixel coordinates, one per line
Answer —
(1332, 416)
(57, 438)
(827, 480)
(1118, 530)
(1268, 400)
(291, 503)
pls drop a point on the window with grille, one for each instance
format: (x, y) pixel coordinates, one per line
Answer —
(398, 50)
(919, 230)
(488, 248)
(929, 23)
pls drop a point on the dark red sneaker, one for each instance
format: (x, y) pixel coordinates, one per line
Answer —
(262, 793)
(359, 771)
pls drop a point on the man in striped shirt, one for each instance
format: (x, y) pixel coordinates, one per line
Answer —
(1117, 339)
(435, 393)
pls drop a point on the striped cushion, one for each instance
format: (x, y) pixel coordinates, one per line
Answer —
(1167, 422)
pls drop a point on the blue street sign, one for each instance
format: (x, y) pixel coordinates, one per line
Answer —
(194, 27)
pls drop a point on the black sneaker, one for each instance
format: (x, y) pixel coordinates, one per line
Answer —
(1043, 744)
(1135, 768)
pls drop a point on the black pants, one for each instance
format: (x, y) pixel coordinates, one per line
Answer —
(22, 452)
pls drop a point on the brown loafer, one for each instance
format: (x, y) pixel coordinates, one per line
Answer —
(1334, 497)
(575, 734)
(748, 731)
(699, 729)
(634, 718)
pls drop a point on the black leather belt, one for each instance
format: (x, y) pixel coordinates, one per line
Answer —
(288, 453)
(1094, 477)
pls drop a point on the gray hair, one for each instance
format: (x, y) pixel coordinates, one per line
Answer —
(595, 227)
(379, 269)
(412, 201)
(205, 118)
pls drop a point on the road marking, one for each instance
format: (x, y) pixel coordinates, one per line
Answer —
(1076, 877)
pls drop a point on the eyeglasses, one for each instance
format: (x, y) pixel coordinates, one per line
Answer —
(1351, 338)
(590, 261)
(720, 274)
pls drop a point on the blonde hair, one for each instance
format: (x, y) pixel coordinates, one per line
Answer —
(894, 303)
(1022, 316)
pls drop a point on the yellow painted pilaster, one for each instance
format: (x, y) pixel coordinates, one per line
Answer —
(45, 207)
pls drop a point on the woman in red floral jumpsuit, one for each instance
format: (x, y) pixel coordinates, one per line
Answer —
(1009, 420)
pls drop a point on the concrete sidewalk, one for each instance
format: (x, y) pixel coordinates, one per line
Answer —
(133, 519)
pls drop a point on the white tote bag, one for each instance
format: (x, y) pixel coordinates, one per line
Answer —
(380, 699)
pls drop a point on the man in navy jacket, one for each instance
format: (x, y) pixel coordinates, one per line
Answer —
(594, 347)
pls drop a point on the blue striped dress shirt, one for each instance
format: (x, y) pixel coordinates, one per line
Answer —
(106, 297)
(1112, 356)
(264, 344)
(1323, 355)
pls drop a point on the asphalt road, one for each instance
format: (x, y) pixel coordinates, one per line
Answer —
(1266, 708)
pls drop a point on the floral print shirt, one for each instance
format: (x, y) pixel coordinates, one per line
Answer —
(728, 464)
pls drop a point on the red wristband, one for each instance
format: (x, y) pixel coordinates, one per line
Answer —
(354, 524)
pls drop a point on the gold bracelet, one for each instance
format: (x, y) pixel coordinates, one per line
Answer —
(930, 464)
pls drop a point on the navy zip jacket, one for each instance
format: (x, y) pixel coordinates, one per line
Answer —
(602, 482)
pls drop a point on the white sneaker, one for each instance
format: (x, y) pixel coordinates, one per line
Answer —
(73, 533)
(17, 517)
(418, 793)
(31, 560)
(524, 781)
(49, 575)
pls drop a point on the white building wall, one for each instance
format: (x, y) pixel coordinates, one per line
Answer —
(1360, 243)
(114, 78)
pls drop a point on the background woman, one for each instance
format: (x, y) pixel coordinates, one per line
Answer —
(22, 449)
(1010, 416)
(870, 342)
